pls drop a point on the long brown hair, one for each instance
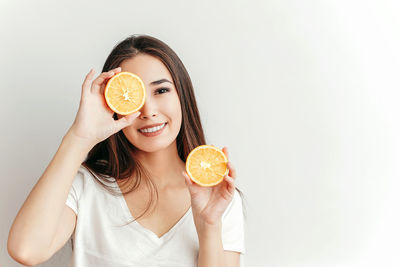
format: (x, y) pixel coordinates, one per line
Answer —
(112, 159)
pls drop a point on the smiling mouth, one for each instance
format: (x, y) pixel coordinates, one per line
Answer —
(153, 129)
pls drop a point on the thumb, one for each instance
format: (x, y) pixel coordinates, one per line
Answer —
(188, 181)
(127, 120)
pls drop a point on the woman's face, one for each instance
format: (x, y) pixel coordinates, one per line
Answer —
(162, 104)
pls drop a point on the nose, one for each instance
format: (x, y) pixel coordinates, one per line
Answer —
(148, 110)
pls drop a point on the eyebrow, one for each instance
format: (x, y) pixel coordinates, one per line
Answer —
(160, 82)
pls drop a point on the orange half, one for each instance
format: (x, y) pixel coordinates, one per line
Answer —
(125, 93)
(207, 165)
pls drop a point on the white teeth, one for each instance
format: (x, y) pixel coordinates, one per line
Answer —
(154, 129)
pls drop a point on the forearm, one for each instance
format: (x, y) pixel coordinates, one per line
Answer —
(211, 251)
(37, 220)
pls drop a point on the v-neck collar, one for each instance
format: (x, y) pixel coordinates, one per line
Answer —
(150, 234)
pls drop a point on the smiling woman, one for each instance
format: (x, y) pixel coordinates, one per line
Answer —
(117, 183)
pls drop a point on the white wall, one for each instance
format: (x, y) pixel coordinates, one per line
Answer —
(304, 94)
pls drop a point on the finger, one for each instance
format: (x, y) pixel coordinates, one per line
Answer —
(187, 179)
(99, 81)
(119, 69)
(116, 70)
(86, 82)
(126, 120)
(225, 150)
(232, 170)
(231, 184)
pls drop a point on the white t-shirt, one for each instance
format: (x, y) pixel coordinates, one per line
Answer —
(101, 240)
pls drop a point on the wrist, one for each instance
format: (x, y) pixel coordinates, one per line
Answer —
(206, 230)
(81, 144)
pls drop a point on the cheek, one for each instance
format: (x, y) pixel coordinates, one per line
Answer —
(171, 107)
(175, 111)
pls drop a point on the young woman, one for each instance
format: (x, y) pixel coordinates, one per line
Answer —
(124, 197)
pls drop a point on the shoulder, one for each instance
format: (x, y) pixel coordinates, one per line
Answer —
(82, 175)
(83, 178)
(84, 170)
(87, 180)
(233, 225)
(85, 174)
(235, 206)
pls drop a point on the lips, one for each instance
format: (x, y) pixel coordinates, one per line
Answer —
(152, 125)
(154, 133)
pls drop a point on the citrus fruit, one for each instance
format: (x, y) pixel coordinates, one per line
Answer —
(125, 93)
(206, 165)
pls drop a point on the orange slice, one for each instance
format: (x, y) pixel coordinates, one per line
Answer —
(206, 165)
(125, 93)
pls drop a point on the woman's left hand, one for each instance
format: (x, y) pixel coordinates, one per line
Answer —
(209, 203)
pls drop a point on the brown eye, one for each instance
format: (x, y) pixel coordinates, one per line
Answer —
(162, 90)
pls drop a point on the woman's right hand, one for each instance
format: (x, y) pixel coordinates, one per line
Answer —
(94, 121)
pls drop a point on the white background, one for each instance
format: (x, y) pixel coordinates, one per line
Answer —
(305, 95)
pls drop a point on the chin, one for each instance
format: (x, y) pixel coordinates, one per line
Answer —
(150, 147)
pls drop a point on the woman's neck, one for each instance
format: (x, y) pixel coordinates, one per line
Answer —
(165, 166)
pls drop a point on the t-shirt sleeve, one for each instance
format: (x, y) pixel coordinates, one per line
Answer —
(75, 191)
(233, 225)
